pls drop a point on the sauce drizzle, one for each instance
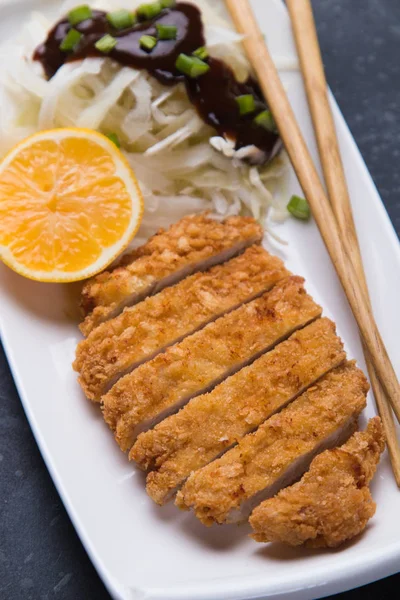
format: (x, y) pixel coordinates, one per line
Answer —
(213, 94)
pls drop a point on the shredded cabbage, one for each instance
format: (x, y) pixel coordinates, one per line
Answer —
(181, 164)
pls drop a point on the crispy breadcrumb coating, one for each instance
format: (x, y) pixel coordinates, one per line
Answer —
(193, 244)
(194, 366)
(279, 451)
(332, 502)
(118, 346)
(211, 424)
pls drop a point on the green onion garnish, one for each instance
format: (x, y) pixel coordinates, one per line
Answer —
(201, 53)
(149, 11)
(79, 14)
(148, 42)
(121, 19)
(191, 66)
(299, 208)
(71, 40)
(115, 139)
(246, 104)
(167, 3)
(106, 44)
(266, 120)
(166, 32)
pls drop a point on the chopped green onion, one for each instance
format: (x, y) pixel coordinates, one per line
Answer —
(201, 53)
(71, 40)
(79, 14)
(121, 19)
(166, 32)
(191, 66)
(148, 42)
(115, 139)
(266, 120)
(149, 11)
(246, 104)
(167, 3)
(106, 44)
(299, 208)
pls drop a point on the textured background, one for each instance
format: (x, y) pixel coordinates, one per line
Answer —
(41, 557)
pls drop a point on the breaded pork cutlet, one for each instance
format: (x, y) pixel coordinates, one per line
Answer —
(211, 424)
(195, 243)
(331, 503)
(279, 452)
(161, 386)
(117, 347)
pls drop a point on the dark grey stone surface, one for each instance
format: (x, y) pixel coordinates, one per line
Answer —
(360, 41)
(41, 557)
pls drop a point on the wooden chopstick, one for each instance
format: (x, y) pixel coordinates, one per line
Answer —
(339, 250)
(312, 69)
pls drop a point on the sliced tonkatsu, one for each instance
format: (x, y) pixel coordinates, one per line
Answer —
(195, 243)
(279, 452)
(118, 346)
(210, 424)
(332, 502)
(161, 386)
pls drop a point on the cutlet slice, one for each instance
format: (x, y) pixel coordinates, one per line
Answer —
(117, 347)
(211, 424)
(195, 243)
(161, 386)
(331, 503)
(279, 452)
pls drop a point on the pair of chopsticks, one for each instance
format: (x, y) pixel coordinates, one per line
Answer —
(334, 216)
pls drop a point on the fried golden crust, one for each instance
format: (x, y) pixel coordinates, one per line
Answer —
(221, 489)
(206, 357)
(188, 246)
(212, 423)
(139, 333)
(331, 503)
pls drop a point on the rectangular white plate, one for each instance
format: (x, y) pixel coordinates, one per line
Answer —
(139, 550)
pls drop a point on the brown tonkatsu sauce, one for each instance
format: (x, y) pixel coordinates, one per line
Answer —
(213, 93)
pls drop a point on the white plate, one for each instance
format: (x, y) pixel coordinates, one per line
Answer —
(143, 552)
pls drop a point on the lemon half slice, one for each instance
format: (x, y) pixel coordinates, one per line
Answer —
(69, 205)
